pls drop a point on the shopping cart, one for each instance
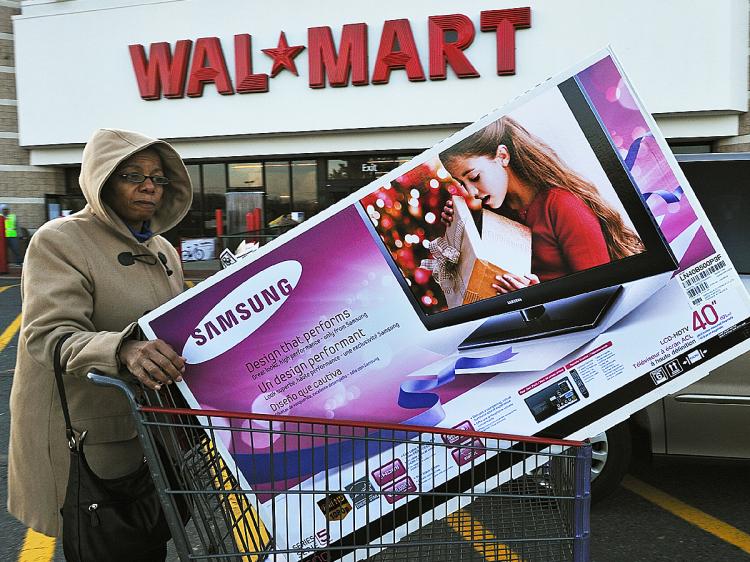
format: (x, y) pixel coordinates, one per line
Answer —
(253, 487)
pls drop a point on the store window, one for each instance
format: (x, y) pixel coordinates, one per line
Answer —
(72, 186)
(352, 168)
(191, 226)
(381, 165)
(71, 201)
(305, 188)
(214, 194)
(363, 167)
(245, 194)
(246, 176)
(194, 171)
(346, 175)
(278, 190)
(281, 189)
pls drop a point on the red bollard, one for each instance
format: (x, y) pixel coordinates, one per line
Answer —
(249, 221)
(219, 223)
(252, 222)
(3, 247)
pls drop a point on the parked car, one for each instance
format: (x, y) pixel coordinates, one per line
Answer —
(710, 418)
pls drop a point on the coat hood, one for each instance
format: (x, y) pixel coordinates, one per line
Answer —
(104, 152)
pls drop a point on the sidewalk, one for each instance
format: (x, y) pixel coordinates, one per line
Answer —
(14, 272)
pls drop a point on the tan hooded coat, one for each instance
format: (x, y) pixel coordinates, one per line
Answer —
(73, 283)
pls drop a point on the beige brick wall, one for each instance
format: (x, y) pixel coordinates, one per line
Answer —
(31, 184)
(744, 126)
(30, 216)
(21, 183)
(6, 25)
(7, 86)
(8, 118)
(11, 153)
(745, 147)
(6, 53)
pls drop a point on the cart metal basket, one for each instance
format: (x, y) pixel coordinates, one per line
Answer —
(385, 492)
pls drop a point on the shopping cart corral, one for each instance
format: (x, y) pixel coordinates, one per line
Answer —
(259, 487)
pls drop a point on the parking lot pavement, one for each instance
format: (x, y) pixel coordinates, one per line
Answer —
(655, 516)
(658, 513)
(11, 531)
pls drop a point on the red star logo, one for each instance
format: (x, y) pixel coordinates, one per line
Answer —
(283, 56)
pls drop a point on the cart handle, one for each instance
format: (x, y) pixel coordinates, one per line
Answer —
(100, 379)
(103, 380)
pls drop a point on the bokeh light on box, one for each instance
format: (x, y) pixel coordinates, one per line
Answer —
(406, 215)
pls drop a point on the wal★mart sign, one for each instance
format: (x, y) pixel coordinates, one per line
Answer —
(165, 72)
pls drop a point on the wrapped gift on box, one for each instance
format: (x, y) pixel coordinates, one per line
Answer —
(466, 262)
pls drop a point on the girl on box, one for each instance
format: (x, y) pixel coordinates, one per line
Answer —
(512, 172)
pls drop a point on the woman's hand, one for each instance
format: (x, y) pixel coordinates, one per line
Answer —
(153, 363)
(509, 282)
(446, 217)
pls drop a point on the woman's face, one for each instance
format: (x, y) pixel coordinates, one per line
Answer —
(484, 177)
(135, 203)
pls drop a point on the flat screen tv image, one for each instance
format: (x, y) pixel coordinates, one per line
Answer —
(532, 221)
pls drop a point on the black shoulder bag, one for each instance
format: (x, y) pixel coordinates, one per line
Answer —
(117, 519)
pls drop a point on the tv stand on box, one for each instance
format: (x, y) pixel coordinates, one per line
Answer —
(571, 314)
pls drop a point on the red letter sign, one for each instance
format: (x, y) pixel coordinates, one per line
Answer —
(160, 69)
(397, 32)
(505, 23)
(247, 82)
(323, 59)
(208, 66)
(442, 52)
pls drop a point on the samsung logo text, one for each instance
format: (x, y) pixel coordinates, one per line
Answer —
(242, 312)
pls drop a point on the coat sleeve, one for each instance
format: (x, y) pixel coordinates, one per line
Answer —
(58, 291)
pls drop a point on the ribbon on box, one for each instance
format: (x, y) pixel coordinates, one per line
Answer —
(446, 251)
(669, 196)
(415, 394)
(632, 154)
(276, 467)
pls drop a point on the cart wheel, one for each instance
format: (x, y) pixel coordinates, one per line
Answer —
(610, 458)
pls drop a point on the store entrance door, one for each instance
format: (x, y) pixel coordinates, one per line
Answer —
(345, 175)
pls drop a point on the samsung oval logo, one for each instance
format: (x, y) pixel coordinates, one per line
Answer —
(242, 311)
(513, 301)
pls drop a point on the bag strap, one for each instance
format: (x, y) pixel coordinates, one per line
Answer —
(61, 389)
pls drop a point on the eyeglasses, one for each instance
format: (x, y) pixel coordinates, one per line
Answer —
(135, 177)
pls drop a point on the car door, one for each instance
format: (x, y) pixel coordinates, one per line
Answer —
(712, 416)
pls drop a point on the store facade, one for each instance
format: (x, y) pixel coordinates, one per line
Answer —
(290, 107)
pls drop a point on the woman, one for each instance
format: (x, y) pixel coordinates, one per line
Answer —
(516, 174)
(93, 274)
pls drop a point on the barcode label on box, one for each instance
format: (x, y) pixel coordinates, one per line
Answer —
(701, 279)
(695, 291)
